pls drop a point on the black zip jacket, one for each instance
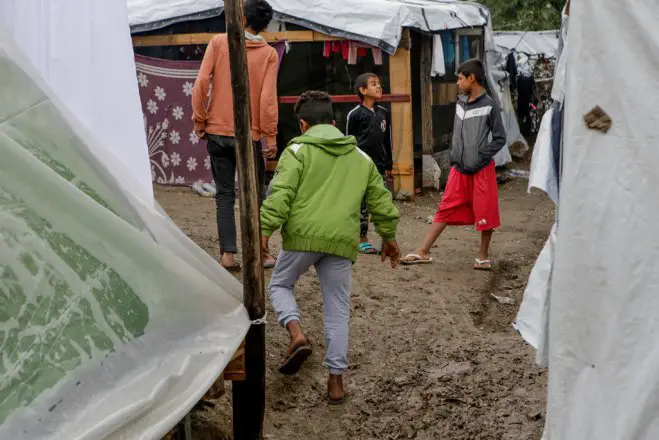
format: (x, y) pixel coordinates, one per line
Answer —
(373, 132)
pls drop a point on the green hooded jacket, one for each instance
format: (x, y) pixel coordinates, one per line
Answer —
(317, 191)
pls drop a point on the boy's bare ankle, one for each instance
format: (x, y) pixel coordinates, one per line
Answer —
(335, 386)
(297, 338)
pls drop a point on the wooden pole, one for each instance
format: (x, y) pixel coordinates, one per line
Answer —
(425, 81)
(248, 395)
(400, 74)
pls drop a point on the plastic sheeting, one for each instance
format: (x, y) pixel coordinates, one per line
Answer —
(84, 52)
(113, 323)
(531, 321)
(603, 326)
(543, 173)
(530, 43)
(145, 15)
(499, 85)
(376, 22)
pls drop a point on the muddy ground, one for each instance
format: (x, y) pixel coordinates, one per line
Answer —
(433, 355)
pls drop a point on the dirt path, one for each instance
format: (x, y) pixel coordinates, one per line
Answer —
(433, 355)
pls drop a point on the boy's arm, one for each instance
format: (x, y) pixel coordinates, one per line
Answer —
(200, 90)
(380, 205)
(277, 207)
(352, 123)
(269, 106)
(495, 124)
(389, 144)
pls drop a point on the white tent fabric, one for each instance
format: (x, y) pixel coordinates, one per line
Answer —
(113, 323)
(603, 326)
(530, 43)
(84, 52)
(144, 15)
(376, 22)
(543, 174)
(532, 318)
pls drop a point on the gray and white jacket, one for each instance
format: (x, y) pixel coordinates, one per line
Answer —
(472, 149)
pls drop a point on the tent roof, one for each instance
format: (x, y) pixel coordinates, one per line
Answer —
(146, 15)
(377, 22)
(530, 43)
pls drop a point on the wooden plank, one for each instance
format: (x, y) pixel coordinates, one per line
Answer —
(204, 38)
(400, 78)
(342, 99)
(235, 370)
(425, 82)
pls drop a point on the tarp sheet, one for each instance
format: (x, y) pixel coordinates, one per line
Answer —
(145, 15)
(113, 323)
(530, 43)
(499, 84)
(84, 52)
(603, 325)
(376, 22)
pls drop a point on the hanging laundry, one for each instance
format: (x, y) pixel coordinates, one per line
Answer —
(438, 66)
(525, 94)
(331, 47)
(465, 54)
(358, 49)
(511, 68)
(448, 44)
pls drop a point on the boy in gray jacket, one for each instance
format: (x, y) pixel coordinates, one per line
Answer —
(471, 195)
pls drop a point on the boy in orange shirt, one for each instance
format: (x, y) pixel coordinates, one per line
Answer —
(213, 118)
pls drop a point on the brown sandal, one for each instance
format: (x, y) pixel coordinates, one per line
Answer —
(293, 362)
(235, 267)
(335, 402)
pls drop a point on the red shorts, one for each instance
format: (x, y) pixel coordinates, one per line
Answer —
(471, 200)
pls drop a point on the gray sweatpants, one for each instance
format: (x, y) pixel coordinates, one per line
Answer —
(335, 276)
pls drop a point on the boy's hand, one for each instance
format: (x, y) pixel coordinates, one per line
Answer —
(391, 250)
(389, 175)
(270, 152)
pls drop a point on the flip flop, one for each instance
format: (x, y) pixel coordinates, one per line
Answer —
(235, 267)
(484, 265)
(293, 363)
(412, 259)
(270, 265)
(367, 249)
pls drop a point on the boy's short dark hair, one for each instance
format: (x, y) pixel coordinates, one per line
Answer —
(473, 67)
(258, 14)
(315, 107)
(362, 83)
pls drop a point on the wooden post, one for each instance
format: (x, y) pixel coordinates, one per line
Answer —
(248, 395)
(425, 81)
(401, 120)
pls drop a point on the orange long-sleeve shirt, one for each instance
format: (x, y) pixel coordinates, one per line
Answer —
(215, 116)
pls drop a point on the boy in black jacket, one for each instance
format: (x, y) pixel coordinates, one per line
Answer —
(471, 195)
(371, 125)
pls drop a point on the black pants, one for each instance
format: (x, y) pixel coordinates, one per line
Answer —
(222, 151)
(363, 218)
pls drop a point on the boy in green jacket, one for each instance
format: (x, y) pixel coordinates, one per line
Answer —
(317, 191)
